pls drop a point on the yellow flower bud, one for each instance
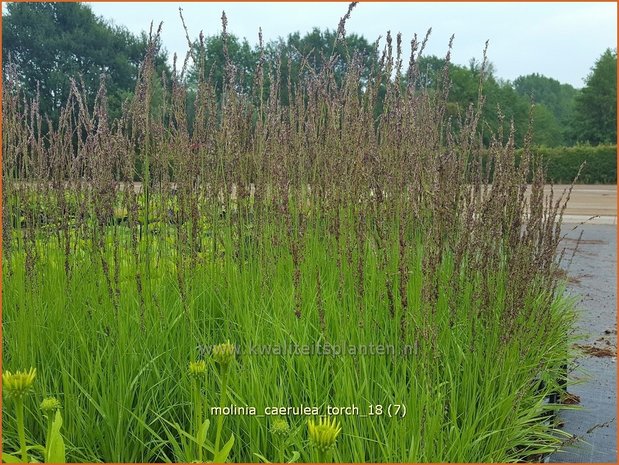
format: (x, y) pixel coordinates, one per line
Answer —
(197, 369)
(224, 353)
(324, 434)
(49, 405)
(19, 384)
(280, 427)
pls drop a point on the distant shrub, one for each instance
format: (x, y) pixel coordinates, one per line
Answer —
(562, 163)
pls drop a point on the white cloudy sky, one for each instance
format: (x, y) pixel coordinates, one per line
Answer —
(560, 40)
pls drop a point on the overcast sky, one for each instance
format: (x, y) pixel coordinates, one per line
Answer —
(559, 40)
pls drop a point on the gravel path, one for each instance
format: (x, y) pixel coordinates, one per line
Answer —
(593, 278)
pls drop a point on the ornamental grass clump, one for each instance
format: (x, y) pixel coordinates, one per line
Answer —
(312, 202)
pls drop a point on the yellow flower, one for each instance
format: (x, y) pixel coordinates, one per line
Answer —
(324, 434)
(17, 385)
(49, 405)
(197, 369)
(224, 353)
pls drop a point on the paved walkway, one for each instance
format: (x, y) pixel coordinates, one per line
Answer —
(587, 201)
(593, 279)
(591, 199)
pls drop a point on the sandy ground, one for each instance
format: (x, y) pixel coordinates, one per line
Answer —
(587, 201)
(593, 281)
(591, 199)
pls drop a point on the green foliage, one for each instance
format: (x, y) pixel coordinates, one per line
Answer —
(214, 59)
(502, 103)
(554, 108)
(562, 163)
(317, 47)
(186, 447)
(595, 119)
(557, 97)
(54, 447)
(118, 398)
(291, 58)
(546, 129)
(51, 41)
(310, 226)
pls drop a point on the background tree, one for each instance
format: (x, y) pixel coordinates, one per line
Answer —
(557, 97)
(312, 50)
(240, 54)
(501, 103)
(554, 106)
(595, 117)
(318, 46)
(50, 42)
(546, 129)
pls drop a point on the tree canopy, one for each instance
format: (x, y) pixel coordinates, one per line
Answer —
(596, 106)
(51, 42)
(47, 43)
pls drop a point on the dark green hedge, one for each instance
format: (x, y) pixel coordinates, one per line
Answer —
(562, 163)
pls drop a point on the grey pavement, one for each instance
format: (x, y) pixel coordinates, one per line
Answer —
(593, 279)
